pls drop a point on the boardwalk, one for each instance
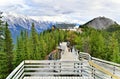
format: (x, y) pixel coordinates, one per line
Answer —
(71, 66)
(67, 55)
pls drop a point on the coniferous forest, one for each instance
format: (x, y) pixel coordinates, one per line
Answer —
(103, 44)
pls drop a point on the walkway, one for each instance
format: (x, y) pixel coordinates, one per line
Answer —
(67, 55)
(70, 66)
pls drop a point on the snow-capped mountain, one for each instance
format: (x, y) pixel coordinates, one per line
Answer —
(19, 22)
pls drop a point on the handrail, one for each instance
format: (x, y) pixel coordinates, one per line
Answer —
(56, 68)
(100, 60)
(15, 71)
(46, 67)
(107, 62)
(83, 53)
(99, 67)
(103, 70)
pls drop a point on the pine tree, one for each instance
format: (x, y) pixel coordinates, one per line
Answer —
(19, 51)
(8, 48)
(1, 33)
(3, 65)
(26, 49)
(34, 42)
(79, 43)
(3, 55)
(114, 49)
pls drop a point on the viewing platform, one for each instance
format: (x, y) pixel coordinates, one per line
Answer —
(72, 65)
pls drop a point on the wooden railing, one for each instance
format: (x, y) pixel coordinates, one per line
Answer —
(48, 68)
(87, 67)
(101, 68)
(18, 72)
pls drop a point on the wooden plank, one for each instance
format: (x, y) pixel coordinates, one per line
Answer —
(107, 62)
(103, 70)
(22, 76)
(49, 61)
(38, 69)
(38, 61)
(15, 70)
(19, 72)
(50, 65)
(66, 77)
(51, 73)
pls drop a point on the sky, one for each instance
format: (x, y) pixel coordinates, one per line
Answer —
(80, 10)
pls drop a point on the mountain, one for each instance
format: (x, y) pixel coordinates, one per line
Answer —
(18, 22)
(100, 23)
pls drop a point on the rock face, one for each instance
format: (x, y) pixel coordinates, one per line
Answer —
(100, 23)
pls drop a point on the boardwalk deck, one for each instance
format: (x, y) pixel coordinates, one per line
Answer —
(70, 66)
(66, 55)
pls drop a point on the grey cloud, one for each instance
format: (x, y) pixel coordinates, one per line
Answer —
(77, 9)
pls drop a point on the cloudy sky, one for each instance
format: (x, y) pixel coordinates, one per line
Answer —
(82, 10)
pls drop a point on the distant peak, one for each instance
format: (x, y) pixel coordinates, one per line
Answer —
(100, 22)
(55, 19)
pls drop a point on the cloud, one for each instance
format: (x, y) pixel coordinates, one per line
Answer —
(82, 10)
(16, 6)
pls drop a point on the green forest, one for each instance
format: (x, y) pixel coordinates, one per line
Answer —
(103, 44)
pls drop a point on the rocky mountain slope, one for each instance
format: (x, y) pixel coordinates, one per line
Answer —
(100, 23)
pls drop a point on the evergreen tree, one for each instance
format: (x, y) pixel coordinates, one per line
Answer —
(8, 48)
(34, 42)
(26, 46)
(86, 45)
(3, 55)
(19, 51)
(3, 65)
(114, 49)
(1, 33)
(78, 43)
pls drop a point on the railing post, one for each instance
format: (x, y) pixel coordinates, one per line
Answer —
(60, 67)
(81, 68)
(93, 69)
(78, 67)
(74, 67)
(93, 72)
(54, 66)
(49, 65)
(113, 71)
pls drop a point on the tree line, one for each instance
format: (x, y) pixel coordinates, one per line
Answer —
(31, 46)
(99, 43)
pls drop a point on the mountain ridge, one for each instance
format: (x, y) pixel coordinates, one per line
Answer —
(18, 22)
(100, 23)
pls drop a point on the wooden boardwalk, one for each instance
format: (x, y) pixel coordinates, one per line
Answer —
(67, 55)
(70, 66)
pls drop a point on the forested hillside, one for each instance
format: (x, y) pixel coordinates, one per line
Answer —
(99, 43)
(28, 47)
(104, 44)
